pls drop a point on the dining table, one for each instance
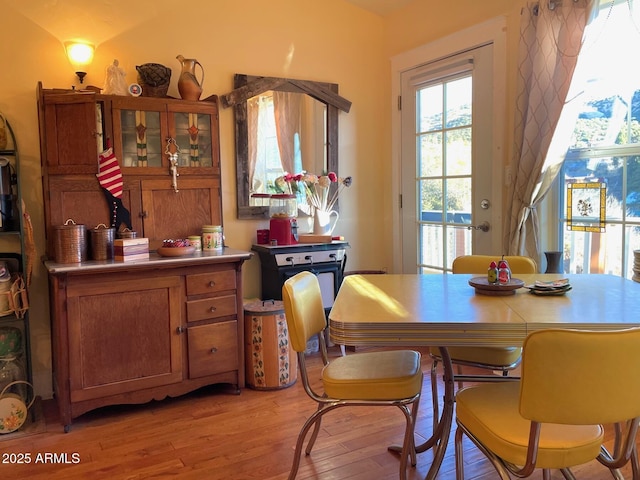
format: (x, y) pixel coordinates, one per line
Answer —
(446, 310)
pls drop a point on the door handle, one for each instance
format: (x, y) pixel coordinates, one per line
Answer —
(484, 226)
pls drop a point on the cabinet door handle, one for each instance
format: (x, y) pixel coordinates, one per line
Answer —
(180, 330)
(212, 309)
(143, 214)
(214, 349)
(212, 283)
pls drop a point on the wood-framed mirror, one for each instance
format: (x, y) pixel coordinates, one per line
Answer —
(318, 152)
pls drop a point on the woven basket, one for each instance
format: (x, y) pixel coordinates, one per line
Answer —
(70, 243)
(150, 91)
(154, 79)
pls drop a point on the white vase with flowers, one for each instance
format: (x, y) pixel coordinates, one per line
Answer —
(321, 193)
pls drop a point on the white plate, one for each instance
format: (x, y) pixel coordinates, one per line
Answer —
(13, 413)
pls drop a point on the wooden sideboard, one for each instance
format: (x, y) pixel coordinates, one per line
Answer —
(132, 332)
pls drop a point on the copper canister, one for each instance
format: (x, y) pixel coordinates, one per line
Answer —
(70, 242)
(102, 242)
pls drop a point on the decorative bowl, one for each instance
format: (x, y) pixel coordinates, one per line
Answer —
(175, 251)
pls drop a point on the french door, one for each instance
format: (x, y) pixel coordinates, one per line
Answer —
(447, 161)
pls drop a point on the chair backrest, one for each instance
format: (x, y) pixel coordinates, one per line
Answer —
(480, 263)
(303, 308)
(581, 377)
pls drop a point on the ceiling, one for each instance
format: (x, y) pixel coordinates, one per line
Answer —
(380, 7)
(60, 17)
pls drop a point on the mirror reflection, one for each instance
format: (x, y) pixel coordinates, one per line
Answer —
(286, 133)
(282, 125)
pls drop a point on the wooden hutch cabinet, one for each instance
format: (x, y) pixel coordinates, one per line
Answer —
(76, 126)
(131, 332)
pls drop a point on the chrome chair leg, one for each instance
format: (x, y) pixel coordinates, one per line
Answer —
(459, 374)
(408, 452)
(314, 434)
(459, 455)
(434, 394)
(495, 461)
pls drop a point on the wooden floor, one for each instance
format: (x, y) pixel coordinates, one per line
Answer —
(214, 434)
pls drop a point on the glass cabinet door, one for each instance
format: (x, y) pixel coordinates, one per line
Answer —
(194, 127)
(193, 136)
(141, 138)
(145, 128)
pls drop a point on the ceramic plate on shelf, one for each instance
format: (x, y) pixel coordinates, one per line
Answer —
(175, 251)
(483, 287)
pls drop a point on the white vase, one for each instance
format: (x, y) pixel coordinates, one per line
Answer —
(322, 222)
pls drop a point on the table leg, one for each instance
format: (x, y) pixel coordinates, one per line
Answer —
(440, 437)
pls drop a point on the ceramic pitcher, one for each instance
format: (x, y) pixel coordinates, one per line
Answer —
(188, 85)
(322, 224)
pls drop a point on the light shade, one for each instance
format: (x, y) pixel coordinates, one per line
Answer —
(80, 55)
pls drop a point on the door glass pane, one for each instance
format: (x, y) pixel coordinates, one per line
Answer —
(141, 142)
(193, 136)
(429, 108)
(430, 154)
(459, 242)
(431, 201)
(458, 151)
(459, 200)
(431, 250)
(458, 100)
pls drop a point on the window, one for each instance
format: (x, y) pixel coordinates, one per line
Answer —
(605, 146)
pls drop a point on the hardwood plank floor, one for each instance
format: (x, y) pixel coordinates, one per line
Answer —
(215, 434)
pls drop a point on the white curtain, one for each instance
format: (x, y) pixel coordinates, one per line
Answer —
(551, 36)
(253, 110)
(287, 109)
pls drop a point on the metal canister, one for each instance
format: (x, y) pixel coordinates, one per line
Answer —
(70, 243)
(212, 238)
(102, 242)
(126, 233)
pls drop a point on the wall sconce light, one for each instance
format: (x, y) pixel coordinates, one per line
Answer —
(80, 55)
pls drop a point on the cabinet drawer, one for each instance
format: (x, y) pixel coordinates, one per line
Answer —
(213, 349)
(211, 282)
(211, 308)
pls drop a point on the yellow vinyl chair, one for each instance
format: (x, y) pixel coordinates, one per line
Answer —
(553, 417)
(501, 359)
(385, 378)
